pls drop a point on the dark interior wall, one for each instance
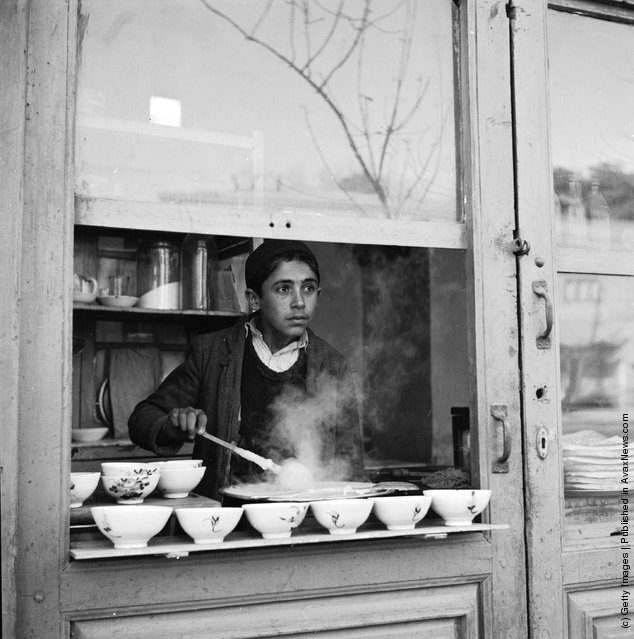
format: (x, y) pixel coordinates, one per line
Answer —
(375, 310)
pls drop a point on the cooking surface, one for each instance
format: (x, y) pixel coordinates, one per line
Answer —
(319, 492)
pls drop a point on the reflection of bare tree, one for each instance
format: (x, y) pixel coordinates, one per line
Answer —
(394, 163)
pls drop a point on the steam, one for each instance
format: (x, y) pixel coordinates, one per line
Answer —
(303, 426)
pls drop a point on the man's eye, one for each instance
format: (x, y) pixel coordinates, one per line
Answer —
(310, 288)
(283, 289)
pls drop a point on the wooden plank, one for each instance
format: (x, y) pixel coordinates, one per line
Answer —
(250, 222)
(177, 547)
(543, 493)
(45, 323)
(13, 31)
(492, 290)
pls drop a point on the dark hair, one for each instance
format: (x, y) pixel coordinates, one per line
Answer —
(287, 256)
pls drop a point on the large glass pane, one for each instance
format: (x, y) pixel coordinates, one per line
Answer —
(592, 92)
(597, 387)
(344, 108)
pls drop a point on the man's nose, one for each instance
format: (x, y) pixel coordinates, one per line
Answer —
(298, 298)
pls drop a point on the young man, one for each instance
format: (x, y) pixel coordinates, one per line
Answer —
(253, 383)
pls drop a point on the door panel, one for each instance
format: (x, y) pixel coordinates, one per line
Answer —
(449, 612)
(576, 59)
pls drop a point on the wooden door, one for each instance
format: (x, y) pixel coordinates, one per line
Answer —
(573, 69)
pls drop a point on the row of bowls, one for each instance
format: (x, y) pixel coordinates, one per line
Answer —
(132, 482)
(131, 527)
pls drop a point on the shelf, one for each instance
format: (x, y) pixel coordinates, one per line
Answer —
(111, 312)
(177, 547)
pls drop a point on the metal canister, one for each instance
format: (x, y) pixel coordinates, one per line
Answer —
(159, 274)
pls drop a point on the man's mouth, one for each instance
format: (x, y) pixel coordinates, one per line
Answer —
(298, 318)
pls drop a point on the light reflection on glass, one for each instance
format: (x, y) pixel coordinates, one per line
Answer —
(596, 327)
(346, 110)
(591, 70)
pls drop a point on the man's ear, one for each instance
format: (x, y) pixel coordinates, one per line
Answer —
(253, 300)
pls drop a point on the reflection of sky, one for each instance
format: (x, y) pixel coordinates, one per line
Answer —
(179, 50)
(592, 92)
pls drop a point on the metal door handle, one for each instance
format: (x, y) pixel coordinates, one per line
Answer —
(500, 413)
(540, 289)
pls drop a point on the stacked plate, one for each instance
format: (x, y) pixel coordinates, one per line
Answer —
(592, 462)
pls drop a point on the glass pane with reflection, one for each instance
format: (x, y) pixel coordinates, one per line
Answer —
(597, 389)
(591, 96)
(331, 108)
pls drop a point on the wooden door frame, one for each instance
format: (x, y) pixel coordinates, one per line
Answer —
(41, 252)
(13, 31)
(493, 298)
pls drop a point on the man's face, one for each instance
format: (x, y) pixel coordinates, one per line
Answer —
(287, 303)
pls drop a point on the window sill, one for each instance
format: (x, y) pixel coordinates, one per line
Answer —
(177, 547)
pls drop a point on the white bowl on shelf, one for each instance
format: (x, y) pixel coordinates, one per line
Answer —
(458, 507)
(84, 298)
(176, 483)
(275, 520)
(82, 486)
(130, 489)
(170, 464)
(342, 516)
(117, 469)
(401, 512)
(118, 301)
(89, 434)
(130, 526)
(208, 525)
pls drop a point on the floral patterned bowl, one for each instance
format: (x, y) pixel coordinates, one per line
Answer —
(118, 469)
(342, 516)
(458, 507)
(401, 512)
(130, 526)
(82, 486)
(208, 525)
(130, 489)
(275, 520)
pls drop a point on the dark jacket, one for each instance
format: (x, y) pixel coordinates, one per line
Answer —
(209, 379)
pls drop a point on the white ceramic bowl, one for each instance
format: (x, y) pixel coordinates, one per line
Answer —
(118, 301)
(458, 507)
(84, 298)
(130, 489)
(341, 516)
(179, 463)
(130, 526)
(208, 525)
(275, 520)
(401, 512)
(89, 434)
(119, 469)
(175, 483)
(82, 486)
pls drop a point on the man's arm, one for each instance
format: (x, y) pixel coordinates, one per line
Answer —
(167, 418)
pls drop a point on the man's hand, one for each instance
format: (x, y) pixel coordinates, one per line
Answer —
(188, 422)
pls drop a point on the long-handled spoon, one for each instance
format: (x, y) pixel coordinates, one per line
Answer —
(262, 462)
